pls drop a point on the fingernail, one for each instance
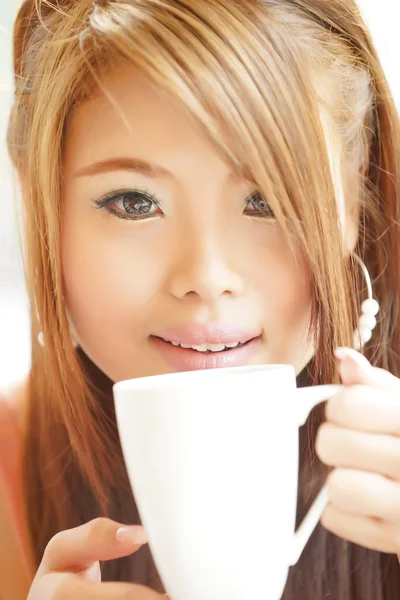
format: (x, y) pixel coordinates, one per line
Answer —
(353, 355)
(134, 534)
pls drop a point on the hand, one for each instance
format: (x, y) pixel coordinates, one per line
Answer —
(361, 439)
(70, 567)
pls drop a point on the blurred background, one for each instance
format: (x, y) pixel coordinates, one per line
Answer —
(382, 16)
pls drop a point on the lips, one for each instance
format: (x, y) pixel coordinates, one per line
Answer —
(196, 334)
(207, 347)
(197, 346)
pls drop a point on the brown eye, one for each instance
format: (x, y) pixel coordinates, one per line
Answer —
(257, 206)
(131, 205)
(136, 203)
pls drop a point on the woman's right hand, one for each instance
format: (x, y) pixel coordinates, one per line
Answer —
(70, 568)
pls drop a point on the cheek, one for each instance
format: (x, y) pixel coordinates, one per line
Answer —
(285, 291)
(292, 308)
(284, 284)
(294, 295)
(109, 280)
(291, 304)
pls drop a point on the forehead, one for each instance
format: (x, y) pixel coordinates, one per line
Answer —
(132, 116)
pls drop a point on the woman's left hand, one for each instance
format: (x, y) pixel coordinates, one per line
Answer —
(361, 439)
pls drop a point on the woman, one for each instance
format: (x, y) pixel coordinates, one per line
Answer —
(205, 166)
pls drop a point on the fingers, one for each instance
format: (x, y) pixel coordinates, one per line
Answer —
(338, 447)
(374, 534)
(361, 439)
(366, 409)
(364, 494)
(370, 400)
(69, 588)
(355, 369)
(76, 549)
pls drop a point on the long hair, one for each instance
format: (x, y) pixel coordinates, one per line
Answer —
(271, 83)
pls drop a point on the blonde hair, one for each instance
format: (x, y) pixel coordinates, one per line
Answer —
(271, 83)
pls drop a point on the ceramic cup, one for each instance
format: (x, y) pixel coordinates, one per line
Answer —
(212, 458)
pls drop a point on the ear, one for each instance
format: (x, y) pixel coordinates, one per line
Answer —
(353, 214)
(352, 224)
(23, 184)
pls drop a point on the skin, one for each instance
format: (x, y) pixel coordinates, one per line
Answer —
(361, 441)
(200, 259)
(126, 279)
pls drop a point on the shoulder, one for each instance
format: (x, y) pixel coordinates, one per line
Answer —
(14, 583)
(13, 404)
(13, 412)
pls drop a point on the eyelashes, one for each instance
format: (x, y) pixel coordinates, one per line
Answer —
(137, 205)
(260, 206)
(133, 205)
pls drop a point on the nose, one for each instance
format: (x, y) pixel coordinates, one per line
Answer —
(204, 270)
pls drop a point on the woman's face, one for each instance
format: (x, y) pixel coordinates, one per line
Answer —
(160, 242)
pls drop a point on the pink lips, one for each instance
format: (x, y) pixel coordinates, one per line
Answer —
(182, 359)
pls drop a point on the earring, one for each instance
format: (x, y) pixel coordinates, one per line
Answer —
(75, 344)
(41, 340)
(72, 330)
(369, 309)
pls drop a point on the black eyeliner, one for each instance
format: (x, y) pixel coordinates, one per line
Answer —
(114, 196)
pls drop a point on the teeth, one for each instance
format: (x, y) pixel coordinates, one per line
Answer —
(202, 348)
(206, 347)
(209, 347)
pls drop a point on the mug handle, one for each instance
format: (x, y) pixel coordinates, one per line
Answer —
(307, 399)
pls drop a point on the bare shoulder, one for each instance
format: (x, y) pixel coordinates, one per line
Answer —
(13, 399)
(13, 579)
(14, 584)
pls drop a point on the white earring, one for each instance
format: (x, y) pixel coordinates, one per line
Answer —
(369, 309)
(41, 340)
(71, 329)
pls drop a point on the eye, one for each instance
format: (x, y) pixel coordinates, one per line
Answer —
(257, 206)
(131, 205)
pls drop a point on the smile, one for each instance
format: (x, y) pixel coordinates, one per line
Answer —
(208, 347)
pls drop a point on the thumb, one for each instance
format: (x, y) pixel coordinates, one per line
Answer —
(101, 539)
(354, 368)
(92, 573)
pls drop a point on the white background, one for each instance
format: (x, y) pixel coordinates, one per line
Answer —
(383, 17)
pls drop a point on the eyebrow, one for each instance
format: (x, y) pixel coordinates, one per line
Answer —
(124, 164)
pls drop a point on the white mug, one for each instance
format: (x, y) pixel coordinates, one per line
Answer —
(212, 458)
